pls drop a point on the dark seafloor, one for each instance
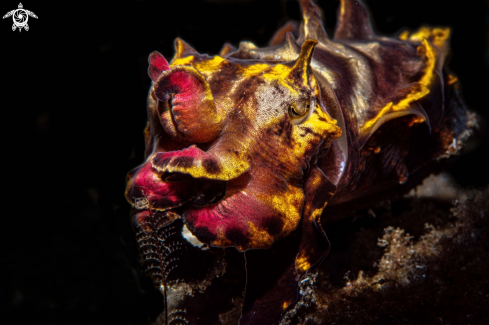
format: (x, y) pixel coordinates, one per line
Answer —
(73, 109)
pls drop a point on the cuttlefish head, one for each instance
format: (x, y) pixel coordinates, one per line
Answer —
(229, 144)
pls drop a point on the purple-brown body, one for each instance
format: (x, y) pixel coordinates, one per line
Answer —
(257, 148)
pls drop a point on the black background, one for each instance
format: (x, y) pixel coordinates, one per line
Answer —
(73, 96)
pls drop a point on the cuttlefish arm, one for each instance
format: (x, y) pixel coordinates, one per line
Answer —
(273, 275)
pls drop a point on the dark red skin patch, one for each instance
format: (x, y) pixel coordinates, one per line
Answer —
(183, 158)
(191, 102)
(185, 162)
(147, 183)
(211, 166)
(227, 218)
(157, 64)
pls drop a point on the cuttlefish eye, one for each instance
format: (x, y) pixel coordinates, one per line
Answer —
(299, 109)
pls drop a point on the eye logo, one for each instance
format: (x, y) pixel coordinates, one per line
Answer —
(20, 17)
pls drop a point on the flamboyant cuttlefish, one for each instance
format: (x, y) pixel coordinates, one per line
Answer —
(246, 148)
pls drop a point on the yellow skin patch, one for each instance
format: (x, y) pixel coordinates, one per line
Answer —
(285, 305)
(437, 36)
(252, 70)
(451, 79)
(182, 61)
(287, 205)
(230, 167)
(302, 264)
(259, 237)
(209, 65)
(315, 122)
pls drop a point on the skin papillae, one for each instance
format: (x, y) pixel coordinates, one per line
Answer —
(245, 149)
